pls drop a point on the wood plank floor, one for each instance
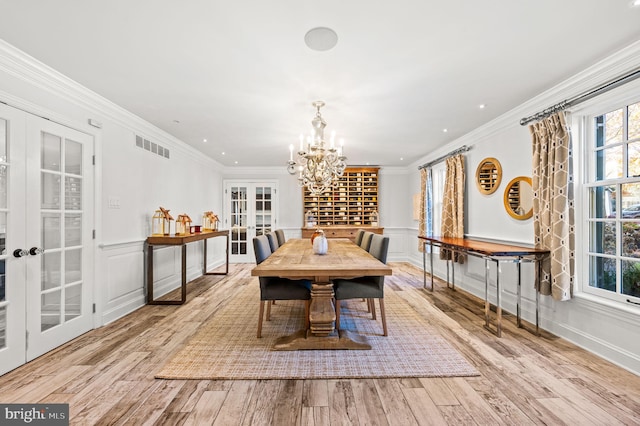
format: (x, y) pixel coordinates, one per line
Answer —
(107, 375)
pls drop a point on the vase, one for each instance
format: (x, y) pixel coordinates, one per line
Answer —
(320, 244)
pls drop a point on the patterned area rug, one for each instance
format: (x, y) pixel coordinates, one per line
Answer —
(227, 348)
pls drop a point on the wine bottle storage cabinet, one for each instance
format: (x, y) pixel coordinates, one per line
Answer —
(352, 202)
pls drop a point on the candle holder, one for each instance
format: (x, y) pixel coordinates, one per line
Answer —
(183, 224)
(161, 222)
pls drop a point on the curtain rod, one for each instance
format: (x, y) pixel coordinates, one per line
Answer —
(582, 97)
(463, 148)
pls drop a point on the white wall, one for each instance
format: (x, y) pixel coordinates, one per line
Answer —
(609, 329)
(187, 183)
(136, 180)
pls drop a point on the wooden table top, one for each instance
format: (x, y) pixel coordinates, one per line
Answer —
(484, 247)
(178, 240)
(344, 259)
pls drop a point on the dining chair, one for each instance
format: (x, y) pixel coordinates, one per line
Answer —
(281, 237)
(369, 288)
(275, 288)
(366, 240)
(359, 235)
(273, 241)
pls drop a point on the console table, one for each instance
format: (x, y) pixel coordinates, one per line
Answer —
(181, 240)
(488, 251)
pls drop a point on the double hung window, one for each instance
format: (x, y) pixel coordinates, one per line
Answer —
(613, 194)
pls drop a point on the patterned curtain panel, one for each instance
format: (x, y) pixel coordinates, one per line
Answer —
(453, 205)
(429, 201)
(553, 216)
(422, 223)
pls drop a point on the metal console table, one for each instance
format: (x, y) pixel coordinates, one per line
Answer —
(181, 240)
(489, 252)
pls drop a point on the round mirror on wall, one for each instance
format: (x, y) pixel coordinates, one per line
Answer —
(488, 175)
(518, 198)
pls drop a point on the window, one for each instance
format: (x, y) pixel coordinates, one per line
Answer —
(438, 174)
(613, 196)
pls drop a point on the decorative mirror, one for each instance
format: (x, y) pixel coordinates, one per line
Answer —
(518, 198)
(488, 175)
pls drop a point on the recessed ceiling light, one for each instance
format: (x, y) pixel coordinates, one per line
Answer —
(223, 153)
(321, 39)
(236, 162)
(635, 3)
(445, 130)
(204, 140)
(481, 106)
(401, 159)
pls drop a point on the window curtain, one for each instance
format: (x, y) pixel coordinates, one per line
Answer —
(426, 205)
(422, 225)
(453, 205)
(553, 216)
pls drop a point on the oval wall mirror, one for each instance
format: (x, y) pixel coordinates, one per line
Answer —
(488, 175)
(518, 198)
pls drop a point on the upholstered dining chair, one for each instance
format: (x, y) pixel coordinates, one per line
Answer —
(359, 235)
(275, 288)
(365, 287)
(366, 240)
(281, 237)
(273, 241)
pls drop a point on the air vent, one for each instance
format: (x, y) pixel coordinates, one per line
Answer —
(152, 147)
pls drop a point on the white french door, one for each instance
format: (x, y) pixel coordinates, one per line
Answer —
(46, 225)
(250, 210)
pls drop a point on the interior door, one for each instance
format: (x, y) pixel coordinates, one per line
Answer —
(12, 237)
(250, 210)
(59, 211)
(46, 223)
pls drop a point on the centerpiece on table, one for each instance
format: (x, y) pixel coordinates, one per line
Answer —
(319, 242)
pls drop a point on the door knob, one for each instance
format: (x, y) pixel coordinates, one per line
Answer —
(35, 250)
(20, 253)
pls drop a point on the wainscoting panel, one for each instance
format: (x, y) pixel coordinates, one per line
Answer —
(398, 240)
(121, 282)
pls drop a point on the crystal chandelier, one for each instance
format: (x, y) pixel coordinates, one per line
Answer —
(319, 165)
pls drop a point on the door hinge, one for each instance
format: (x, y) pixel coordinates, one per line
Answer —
(26, 334)
(93, 234)
(94, 308)
(93, 160)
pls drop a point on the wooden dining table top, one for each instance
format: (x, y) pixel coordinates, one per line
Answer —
(484, 247)
(344, 259)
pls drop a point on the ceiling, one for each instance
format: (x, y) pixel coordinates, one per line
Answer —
(239, 74)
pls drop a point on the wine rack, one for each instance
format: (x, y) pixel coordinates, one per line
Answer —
(352, 203)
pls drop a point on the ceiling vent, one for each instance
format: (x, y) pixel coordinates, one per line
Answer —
(152, 147)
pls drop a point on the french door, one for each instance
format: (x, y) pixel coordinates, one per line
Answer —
(250, 210)
(46, 223)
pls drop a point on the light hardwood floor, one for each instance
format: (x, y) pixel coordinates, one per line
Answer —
(107, 374)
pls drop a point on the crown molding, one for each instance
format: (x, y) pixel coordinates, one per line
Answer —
(619, 63)
(257, 171)
(24, 67)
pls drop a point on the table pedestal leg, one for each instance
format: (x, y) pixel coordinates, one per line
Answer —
(322, 333)
(322, 313)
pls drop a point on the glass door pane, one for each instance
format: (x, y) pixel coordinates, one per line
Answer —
(61, 264)
(263, 214)
(239, 219)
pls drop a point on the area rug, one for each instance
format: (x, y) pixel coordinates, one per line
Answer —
(226, 347)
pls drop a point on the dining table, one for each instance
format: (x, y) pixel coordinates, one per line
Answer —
(296, 259)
